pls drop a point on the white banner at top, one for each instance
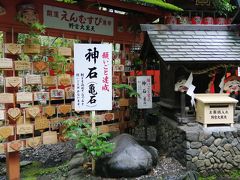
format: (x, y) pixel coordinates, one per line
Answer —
(71, 20)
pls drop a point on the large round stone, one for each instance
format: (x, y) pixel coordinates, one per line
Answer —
(128, 159)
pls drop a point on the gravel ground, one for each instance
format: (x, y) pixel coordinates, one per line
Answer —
(167, 169)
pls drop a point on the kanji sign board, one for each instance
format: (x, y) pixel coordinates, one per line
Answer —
(93, 77)
(144, 89)
(78, 21)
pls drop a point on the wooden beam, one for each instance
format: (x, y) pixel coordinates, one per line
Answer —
(129, 6)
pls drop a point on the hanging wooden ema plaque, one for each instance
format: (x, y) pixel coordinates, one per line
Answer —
(6, 98)
(64, 108)
(14, 113)
(33, 142)
(24, 128)
(41, 96)
(6, 63)
(64, 79)
(64, 51)
(22, 65)
(24, 97)
(14, 81)
(31, 48)
(49, 80)
(32, 112)
(12, 48)
(41, 122)
(33, 79)
(40, 66)
(69, 91)
(16, 145)
(49, 110)
(50, 137)
(57, 94)
(6, 131)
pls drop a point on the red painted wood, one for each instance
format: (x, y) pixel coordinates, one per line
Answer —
(13, 158)
(8, 21)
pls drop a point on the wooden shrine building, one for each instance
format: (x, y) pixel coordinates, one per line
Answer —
(203, 50)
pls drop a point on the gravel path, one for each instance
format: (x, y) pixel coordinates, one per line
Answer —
(167, 169)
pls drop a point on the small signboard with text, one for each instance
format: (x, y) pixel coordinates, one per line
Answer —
(93, 77)
(144, 89)
(78, 21)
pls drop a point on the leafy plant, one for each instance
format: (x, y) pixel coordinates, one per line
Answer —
(223, 6)
(131, 92)
(23, 57)
(160, 3)
(36, 29)
(94, 144)
(59, 64)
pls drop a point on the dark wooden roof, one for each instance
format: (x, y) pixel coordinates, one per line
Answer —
(201, 43)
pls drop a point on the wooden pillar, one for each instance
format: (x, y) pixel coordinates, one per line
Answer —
(13, 165)
(12, 158)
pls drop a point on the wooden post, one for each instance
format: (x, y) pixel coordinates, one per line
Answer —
(93, 113)
(182, 105)
(12, 158)
(13, 165)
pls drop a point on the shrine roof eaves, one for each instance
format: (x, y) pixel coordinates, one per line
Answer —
(201, 43)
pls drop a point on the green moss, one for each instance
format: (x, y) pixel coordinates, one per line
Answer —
(208, 178)
(31, 172)
(234, 174)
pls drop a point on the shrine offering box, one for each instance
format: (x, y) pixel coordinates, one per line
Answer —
(215, 109)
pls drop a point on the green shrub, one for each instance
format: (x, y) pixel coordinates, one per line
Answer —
(94, 144)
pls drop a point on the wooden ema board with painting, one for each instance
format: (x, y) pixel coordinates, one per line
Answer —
(40, 66)
(64, 80)
(41, 96)
(15, 145)
(12, 48)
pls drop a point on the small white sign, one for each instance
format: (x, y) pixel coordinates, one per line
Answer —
(93, 77)
(144, 88)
